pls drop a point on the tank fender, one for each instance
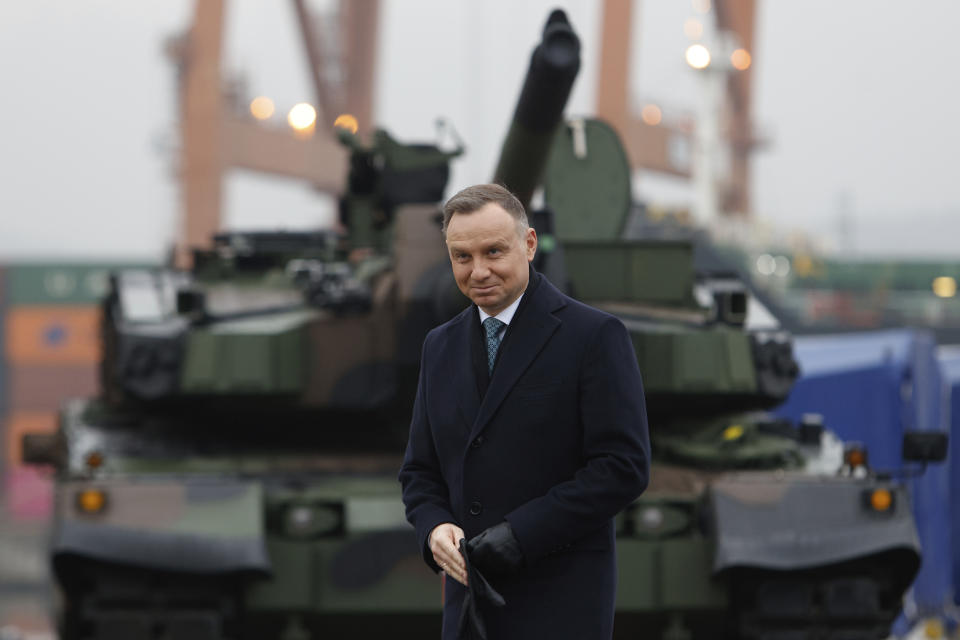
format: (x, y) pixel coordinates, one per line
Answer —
(790, 521)
(199, 526)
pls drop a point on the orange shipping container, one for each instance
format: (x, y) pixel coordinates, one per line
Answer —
(52, 335)
(41, 388)
(3, 365)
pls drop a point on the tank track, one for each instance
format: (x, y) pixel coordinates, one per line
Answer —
(104, 603)
(855, 601)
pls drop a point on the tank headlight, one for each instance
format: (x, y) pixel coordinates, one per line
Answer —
(659, 520)
(310, 520)
(879, 500)
(300, 520)
(91, 501)
(650, 519)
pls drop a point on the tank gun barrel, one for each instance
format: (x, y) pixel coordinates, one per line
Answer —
(546, 88)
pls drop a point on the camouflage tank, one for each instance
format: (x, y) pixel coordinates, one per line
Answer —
(752, 527)
(236, 478)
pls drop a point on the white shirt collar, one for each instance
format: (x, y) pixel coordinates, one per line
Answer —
(504, 316)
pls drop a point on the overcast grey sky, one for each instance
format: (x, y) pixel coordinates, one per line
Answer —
(857, 99)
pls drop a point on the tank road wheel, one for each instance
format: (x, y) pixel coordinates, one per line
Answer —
(853, 601)
(126, 604)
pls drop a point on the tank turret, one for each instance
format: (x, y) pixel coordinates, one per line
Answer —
(269, 321)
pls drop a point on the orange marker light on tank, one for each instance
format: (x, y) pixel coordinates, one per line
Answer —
(91, 501)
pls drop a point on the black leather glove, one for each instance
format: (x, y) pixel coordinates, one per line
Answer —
(471, 625)
(496, 550)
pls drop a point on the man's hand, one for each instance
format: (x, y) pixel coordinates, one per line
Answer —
(444, 543)
(496, 550)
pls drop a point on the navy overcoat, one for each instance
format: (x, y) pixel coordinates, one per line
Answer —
(555, 442)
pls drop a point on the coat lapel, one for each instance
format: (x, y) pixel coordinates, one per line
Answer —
(529, 333)
(468, 391)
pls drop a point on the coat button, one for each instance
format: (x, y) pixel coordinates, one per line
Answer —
(475, 508)
(477, 442)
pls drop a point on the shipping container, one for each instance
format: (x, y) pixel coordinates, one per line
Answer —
(52, 335)
(49, 351)
(59, 284)
(44, 388)
(28, 492)
(3, 369)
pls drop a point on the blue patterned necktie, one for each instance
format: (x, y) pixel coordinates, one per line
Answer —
(491, 327)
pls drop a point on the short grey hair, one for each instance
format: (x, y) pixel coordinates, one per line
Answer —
(479, 195)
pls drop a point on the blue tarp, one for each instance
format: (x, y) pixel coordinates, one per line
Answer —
(950, 366)
(872, 387)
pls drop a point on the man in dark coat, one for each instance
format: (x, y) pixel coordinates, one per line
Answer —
(529, 434)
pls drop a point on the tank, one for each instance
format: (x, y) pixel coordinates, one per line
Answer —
(236, 476)
(752, 526)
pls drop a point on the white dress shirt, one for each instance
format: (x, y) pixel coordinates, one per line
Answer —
(504, 316)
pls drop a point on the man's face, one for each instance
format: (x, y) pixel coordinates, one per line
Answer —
(489, 256)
